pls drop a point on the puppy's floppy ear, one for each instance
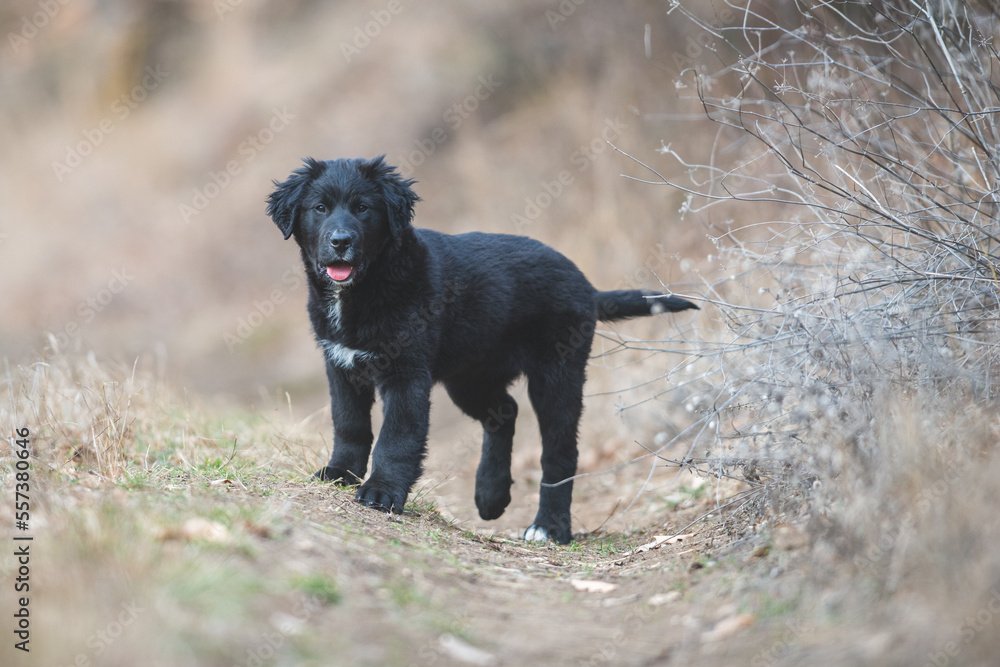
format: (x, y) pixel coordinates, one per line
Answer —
(397, 192)
(283, 203)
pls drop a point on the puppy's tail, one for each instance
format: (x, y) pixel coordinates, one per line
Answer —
(624, 303)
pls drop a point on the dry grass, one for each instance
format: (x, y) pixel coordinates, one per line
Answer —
(856, 374)
(838, 392)
(173, 532)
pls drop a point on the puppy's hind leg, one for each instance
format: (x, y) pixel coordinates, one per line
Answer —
(493, 479)
(555, 386)
(496, 410)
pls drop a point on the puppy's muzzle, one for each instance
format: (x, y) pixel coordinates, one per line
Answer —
(339, 257)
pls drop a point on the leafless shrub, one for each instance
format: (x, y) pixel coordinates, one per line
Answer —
(860, 143)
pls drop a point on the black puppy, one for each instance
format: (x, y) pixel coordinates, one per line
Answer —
(397, 309)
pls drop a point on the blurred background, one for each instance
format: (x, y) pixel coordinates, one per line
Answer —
(140, 140)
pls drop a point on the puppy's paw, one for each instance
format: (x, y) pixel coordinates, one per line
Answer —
(540, 533)
(492, 496)
(536, 534)
(338, 475)
(380, 498)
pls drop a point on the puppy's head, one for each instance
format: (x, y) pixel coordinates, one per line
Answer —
(343, 214)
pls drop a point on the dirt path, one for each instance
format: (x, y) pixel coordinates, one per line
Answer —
(416, 589)
(229, 565)
(198, 538)
(420, 590)
(252, 569)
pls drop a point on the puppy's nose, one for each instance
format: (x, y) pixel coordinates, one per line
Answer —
(340, 240)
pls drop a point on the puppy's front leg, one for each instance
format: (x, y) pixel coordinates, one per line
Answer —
(397, 461)
(351, 399)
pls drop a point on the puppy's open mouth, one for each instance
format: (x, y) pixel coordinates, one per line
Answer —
(340, 272)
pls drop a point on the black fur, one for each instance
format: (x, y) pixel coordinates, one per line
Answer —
(397, 309)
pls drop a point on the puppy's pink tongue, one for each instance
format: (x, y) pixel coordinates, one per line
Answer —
(340, 271)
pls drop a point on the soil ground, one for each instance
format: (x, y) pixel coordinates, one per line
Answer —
(208, 543)
(222, 565)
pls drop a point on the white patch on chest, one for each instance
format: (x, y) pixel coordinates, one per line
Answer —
(333, 313)
(342, 356)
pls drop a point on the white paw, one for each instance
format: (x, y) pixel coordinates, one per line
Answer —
(536, 534)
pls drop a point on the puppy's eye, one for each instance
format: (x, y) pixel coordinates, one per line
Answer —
(320, 208)
(362, 208)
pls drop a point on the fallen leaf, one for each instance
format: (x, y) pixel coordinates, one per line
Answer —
(197, 528)
(91, 482)
(788, 537)
(256, 529)
(461, 651)
(728, 626)
(664, 598)
(663, 539)
(591, 586)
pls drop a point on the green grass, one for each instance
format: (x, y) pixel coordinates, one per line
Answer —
(318, 586)
(404, 594)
